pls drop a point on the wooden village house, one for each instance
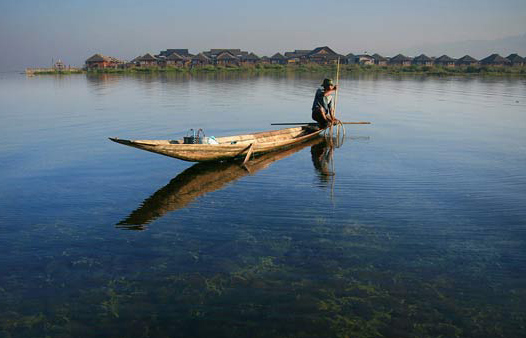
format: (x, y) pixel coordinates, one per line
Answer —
(445, 61)
(213, 54)
(148, 60)
(422, 60)
(364, 59)
(380, 60)
(467, 60)
(495, 60)
(200, 60)
(400, 60)
(323, 55)
(250, 60)
(181, 52)
(227, 59)
(134, 63)
(264, 60)
(297, 56)
(350, 59)
(516, 60)
(278, 59)
(99, 61)
(176, 60)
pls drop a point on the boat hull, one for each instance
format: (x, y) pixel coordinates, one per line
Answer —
(228, 147)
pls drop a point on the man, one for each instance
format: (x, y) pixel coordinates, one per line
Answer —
(323, 105)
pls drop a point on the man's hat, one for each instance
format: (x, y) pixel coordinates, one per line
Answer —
(326, 83)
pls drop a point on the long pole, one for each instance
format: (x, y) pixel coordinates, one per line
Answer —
(311, 123)
(337, 85)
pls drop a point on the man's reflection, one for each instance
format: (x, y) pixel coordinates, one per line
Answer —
(322, 154)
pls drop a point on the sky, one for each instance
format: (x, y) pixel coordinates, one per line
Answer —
(33, 33)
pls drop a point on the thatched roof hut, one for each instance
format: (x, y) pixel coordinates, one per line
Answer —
(226, 56)
(445, 60)
(350, 59)
(495, 60)
(422, 57)
(200, 59)
(251, 57)
(467, 60)
(379, 59)
(400, 60)
(297, 53)
(98, 58)
(147, 58)
(323, 55)
(102, 61)
(516, 60)
(278, 58)
(181, 52)
(175, 57)
(422, 60)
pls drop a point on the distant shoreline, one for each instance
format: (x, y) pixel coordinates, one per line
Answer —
(311, 68)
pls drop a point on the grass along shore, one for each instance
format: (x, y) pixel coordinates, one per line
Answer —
(314, 68)
(54, 72)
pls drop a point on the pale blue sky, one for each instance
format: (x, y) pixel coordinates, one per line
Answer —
(34, 32)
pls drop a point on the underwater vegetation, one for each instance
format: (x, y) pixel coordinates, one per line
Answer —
(320, 280)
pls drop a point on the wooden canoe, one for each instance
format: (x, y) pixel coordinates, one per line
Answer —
(228, 147)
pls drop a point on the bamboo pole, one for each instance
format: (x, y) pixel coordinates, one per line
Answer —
(336, 97)
(337, 85)
(311, 123)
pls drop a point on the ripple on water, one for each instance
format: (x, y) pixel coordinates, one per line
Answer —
(421, 212)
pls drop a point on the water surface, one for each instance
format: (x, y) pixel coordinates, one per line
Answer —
(414, 227)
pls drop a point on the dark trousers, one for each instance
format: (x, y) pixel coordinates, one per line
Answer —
(317, 116)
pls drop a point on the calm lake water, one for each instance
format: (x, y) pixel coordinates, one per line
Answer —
(415, 226)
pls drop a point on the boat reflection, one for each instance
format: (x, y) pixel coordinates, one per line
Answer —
(203, 178)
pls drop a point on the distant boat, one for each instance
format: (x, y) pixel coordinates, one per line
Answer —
(227, 147)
